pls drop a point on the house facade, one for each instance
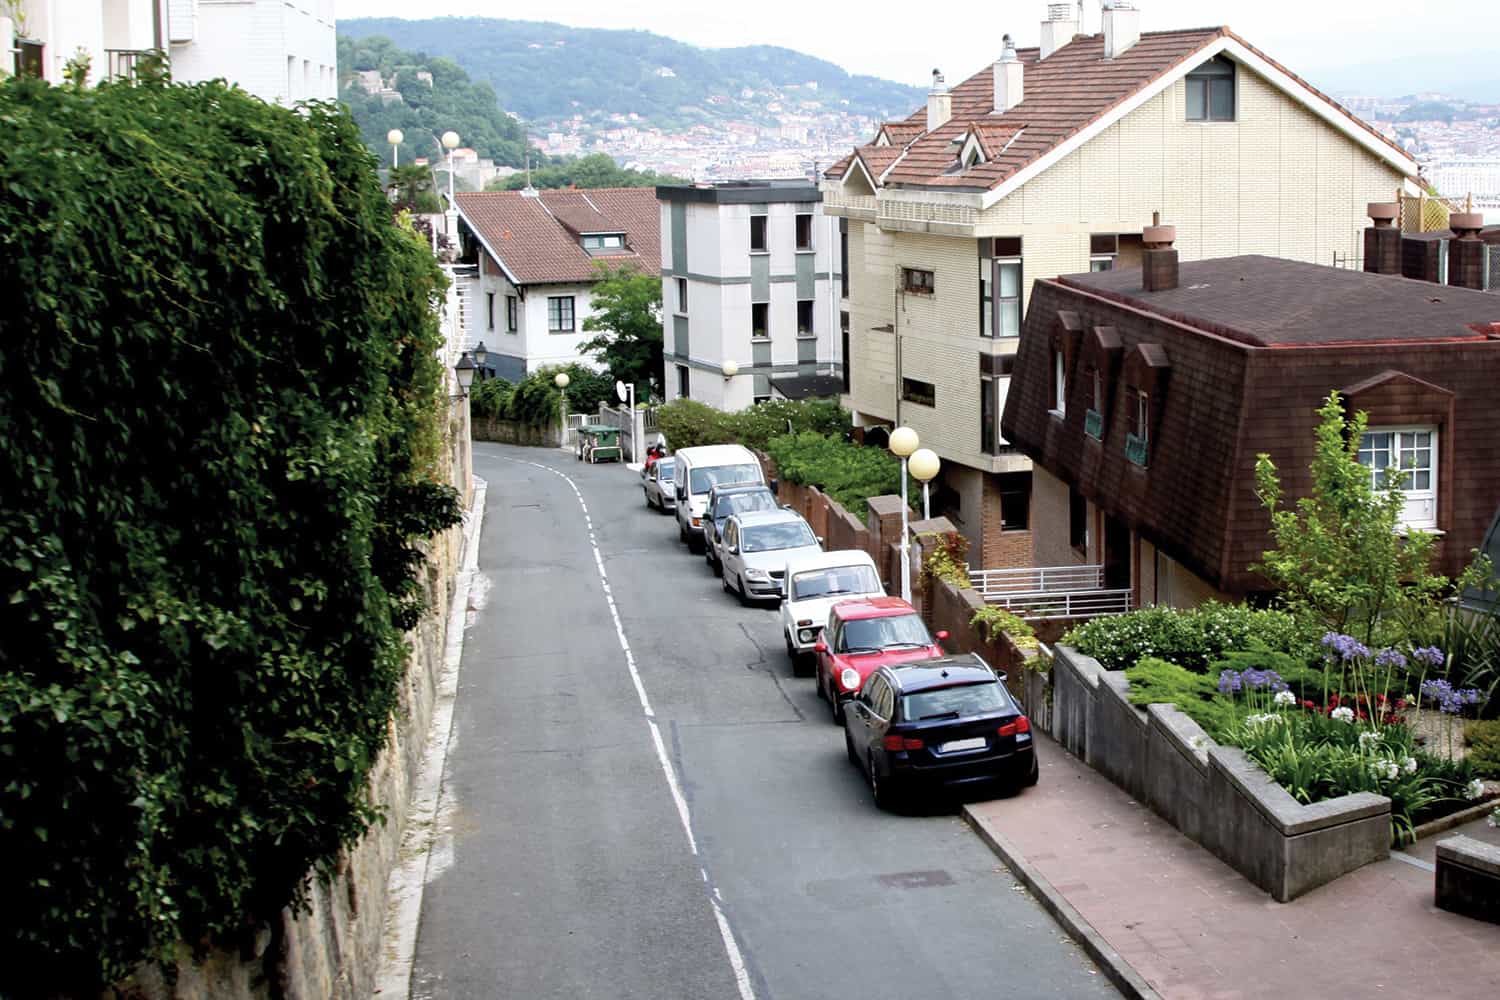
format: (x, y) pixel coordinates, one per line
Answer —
(536, 256)
(1144, 396)
(1049, 162)
(279, 50)
(749, 272)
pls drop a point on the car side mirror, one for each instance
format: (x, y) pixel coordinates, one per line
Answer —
(820, 646)
(732, 549)
(819, 538)
(774, 486)
(942, 635)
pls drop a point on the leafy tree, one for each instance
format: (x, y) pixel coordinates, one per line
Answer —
(535, 400)
(594, 171)
(627, 319)
(1341, 552)
(411, 188)
(219, 419)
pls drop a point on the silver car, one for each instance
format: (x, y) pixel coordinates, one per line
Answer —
(656, 483)
(756, 548)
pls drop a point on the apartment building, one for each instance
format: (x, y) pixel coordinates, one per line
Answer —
(1049, 162)
(279, 50)
(748, 280)
(1144, 396)
(531, 261)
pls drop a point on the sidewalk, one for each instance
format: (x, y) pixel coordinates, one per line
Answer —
(1188, 926)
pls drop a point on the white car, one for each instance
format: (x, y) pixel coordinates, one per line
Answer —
(757, 547)
(814, 583)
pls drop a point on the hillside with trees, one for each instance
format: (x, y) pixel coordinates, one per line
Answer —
(425, 110)
(596, 170)
(547, 72)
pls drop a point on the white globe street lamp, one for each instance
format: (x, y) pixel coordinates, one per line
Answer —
(924, 465)
(903, 442)
(561, 380)
(730, 369)
(450, 143)
(394, 137)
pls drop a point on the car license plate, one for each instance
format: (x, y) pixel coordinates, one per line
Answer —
(958, 746)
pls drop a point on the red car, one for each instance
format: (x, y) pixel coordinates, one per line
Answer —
(861, 636)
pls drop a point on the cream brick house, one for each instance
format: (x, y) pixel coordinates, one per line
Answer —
(1050, 162)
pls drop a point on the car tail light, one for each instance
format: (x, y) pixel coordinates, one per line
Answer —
(1020, 724)
(895, 742)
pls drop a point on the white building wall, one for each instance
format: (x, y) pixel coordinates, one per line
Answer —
(95, 26)
(279, 50)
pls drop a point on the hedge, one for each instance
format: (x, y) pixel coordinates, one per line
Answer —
(688, 423)
(220, 413)
(849, 473)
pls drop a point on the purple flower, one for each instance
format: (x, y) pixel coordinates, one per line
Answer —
(1229, 682)
(1344, 647)
(1449, 699)
(1255, 679)
(1390, 658)
(1429, 655)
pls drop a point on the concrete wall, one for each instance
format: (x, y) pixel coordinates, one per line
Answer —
(514, 432)
(1215, 795)
(279, 50)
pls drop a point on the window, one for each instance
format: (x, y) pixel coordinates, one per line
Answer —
(994, 372)
(511, 325)
(760, 325)
(560, 314)
(1059, 383)
(1138, 438)
(917, 281)
(1078, 521)
(921, 393)
(804, 318)
(604, 241)
(1093, 420)
(986, 292)
(844, 258)
(489, 310)
(683, 382)
(757, 234)
(682, 296)
(1210, 92)
(1009, 301)
(1409, 455)
(1015, 501)
(844, 353)
(1000, 287)
(804, 232)
(1102, 252)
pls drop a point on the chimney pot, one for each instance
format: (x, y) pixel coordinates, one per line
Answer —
(1466, 225)
(1122, 28)
(939, 103)
(1009, 77)
(1059, 28)
(1158, 256)
(1382, 213)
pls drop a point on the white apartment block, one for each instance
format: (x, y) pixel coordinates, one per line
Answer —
(1051, 161)
(280, 50)
(749, 272)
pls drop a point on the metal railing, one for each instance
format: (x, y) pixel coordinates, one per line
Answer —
(1035, 580)
(1064, 604)
(122, 62)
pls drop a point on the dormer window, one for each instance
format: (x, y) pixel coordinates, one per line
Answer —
(603, 241)
(1210, 92)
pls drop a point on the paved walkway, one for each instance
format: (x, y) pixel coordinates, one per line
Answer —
(1190, 926)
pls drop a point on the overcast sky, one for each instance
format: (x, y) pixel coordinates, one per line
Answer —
(960, 37)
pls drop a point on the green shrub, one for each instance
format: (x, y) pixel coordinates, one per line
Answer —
(220, 409)
(993, 620)
(1154, 681)
(536, 400)
(1483, 740)
(688, 423)
(849, 473)
(1191, 638)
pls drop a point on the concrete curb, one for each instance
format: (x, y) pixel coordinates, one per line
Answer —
(1444, 823)
(1129, 982)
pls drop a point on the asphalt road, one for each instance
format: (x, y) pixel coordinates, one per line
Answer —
(565, 869)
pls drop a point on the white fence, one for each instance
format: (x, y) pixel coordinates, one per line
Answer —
(1064, 603)
(1036, 579)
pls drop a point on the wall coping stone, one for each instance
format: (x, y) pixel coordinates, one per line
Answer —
(885, 505)
(1289, 816)
(1181, 733)
(1470, 853)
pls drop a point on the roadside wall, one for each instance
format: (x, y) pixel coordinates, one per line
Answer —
(513, 432)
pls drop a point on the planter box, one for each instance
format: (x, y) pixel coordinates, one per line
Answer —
(1215, 795)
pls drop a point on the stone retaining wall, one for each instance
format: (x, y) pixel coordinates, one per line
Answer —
(1214, 794)
(513, 432)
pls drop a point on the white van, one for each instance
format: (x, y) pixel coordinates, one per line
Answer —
(697, 470)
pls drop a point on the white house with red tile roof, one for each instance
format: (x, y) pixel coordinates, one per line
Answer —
(1049, 162)
(537, 256)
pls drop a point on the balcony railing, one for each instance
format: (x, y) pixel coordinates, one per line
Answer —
(1038, 592)
(1067, 604)
(121, 63)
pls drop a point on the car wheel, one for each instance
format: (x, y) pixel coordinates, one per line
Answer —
(724, 582)
(801, 664)
(740, 586)
(1036, 772)
(835, 707)
(818, 682)
(879, 790)
(849, 748)
(681, 531)
(647, 494)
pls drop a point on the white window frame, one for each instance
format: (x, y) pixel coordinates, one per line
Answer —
(1059, 382)
(1421, 504)
(682, 296)
(555, 326)
(1004, 303)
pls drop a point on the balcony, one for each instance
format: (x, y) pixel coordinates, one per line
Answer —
(121, 63)
(1041, 592)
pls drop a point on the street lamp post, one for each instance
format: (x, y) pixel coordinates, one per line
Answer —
(903, 442)
(480, 356)
(394, 137)
(622, 389)
(463, 373)
(450, 218)
(924, 465)
(561, 381)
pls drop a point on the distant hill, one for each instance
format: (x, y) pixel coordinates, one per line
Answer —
(423, 108)
(548, 72)
(1468, 75)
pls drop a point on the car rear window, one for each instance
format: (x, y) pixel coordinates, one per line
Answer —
(769, 537)
(833, 580)
(885, 633)
(703, 480)
(740, 503)
(963, 701)
(664, 466)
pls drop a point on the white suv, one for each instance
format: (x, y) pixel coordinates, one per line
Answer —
(814, 583)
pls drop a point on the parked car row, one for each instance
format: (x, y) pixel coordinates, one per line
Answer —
(913, 717)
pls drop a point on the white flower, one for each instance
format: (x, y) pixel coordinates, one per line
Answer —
(1474, 789)
(1367, 737)
(1494, 819)
(1260, 720)
(1285, 698)
(1342, 714)
(1409, 765)
(1387, 769)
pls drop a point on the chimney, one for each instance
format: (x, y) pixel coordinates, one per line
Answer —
(1122, 28)
(1466, 249)
(1383, 239)
(1158, 258)
(1059, 28)
(1008, 77)
(939, 103)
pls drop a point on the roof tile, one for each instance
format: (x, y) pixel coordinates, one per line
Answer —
(536, 238)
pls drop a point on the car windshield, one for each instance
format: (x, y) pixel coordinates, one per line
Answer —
(891, 632)
(703, 480)
(664, 468)
(835, 580)
(984, 698)
(740, 503)
(768, 537)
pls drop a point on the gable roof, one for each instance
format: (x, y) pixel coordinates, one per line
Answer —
(1074, 94)
(535, 239)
